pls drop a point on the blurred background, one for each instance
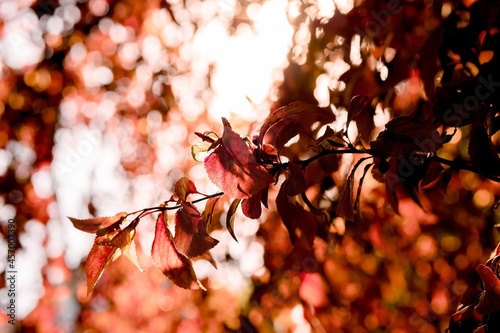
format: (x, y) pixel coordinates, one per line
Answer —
(99, 102)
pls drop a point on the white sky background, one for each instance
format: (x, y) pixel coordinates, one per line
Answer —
(87, 158)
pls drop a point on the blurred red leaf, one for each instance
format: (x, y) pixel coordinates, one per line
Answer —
(191, 237)
(233, 168)
(313, 290)
(166, 258)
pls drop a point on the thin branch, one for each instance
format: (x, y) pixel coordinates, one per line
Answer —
(457, 165)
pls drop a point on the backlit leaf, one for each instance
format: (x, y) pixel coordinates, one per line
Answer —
(118, 238)
(230, 217)
(91, 225)
(288, 121)
(130, 251)
(166, 258)
(345, 207)
(191, 237)
(233, 168)
(209, 138)
(355, 106)
(98, 257)
(184, 187)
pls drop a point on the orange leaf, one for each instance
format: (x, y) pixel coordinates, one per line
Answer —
(91, 225)
(98, 257)
(184, 187)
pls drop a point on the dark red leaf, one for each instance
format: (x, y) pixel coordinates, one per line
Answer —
(489, 300)
(92, 225)
(98, 257)
(405, 135)
(233, 168)
(300, 223)
(251, 207)
(191, 237)
(184, 187)
(345, 207)
(166, 258)
(329, 163)
(288, 121)
(481, 151)
(296, 181)
(355, 106)
(230, 217)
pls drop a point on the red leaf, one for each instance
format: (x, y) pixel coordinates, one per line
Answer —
(482, 152)
(166, 258)
(405, 135)
(233, 168)
(296, 181)
(345, 207)
(251, 207)
(489, 300)
(184, 187)
(208, 214)
(230, 217)
(118, 238)
(191, 237)
(490, 279)
(355, 106)
(98, 257)
(93, 224)
(300, 223)
(287, 121)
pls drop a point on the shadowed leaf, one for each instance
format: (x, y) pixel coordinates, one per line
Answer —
(166, 258)
(482, 153)
(300, 223)
(296, 181)
(251, 207)
(230, 217)
(191, 237)
(288, 121)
